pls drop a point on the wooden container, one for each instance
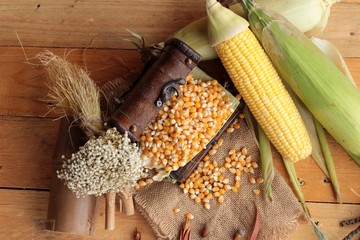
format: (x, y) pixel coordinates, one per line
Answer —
(66, 212)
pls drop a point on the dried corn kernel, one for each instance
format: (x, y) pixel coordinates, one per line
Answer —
(254, 164)
(189, 120)
(189, 216)
(259, 180)
(252, 180)
(256, 191)
(176, 210)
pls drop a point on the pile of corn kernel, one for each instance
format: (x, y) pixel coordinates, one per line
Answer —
(185, 124)
(209, 180)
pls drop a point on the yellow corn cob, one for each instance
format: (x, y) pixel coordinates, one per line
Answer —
(259, 84)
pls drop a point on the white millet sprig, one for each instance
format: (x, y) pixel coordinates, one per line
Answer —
(107, 163)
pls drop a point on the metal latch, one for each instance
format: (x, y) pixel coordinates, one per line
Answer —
(170, 89)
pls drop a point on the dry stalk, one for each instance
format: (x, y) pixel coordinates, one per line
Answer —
(73, 91)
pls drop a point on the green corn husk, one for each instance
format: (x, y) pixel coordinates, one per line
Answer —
(328, 159)
(196, 36)
(320, 85)
(266, 157)
(267, 166)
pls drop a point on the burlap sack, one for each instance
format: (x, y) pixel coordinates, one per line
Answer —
(277, 218)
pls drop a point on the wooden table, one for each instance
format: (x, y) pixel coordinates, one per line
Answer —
(66, 27)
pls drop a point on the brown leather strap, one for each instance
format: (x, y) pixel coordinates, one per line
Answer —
(140, 106)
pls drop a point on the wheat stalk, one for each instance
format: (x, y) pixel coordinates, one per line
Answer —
(73, 91)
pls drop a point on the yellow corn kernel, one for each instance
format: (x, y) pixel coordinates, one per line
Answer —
(259, 180)
(261, 88)
(252, 180)
(176, 210)
(197, 200)
(232, 151)
(254, 164)
(256, 191)
(189, 216)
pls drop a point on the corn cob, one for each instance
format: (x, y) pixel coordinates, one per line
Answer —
(318, 82)
(258, 82)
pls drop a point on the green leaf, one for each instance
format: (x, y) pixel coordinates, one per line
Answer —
(290, 168)
(355, 158)
(317, 230)
(267, 166)
(328, 159)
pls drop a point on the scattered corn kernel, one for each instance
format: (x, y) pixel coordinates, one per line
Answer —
(254, 164)
(259, 180)
(256, 191)
(237, 126)
(189, 216)
(230, 130)
(176, 210)
(244, 151)
(252, 180)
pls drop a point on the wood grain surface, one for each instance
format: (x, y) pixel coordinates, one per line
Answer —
(90, 33)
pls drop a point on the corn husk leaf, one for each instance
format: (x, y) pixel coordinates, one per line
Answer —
(218, 28)
(334, 55)
(317, 230)
(196, 36)
(198, 73)
(309, 16)
(328, 159)
(290, 169)
(252, 124)
(267, 166)
(238, 9)
(316, 152)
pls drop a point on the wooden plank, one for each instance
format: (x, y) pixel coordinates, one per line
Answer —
(329, 216)
(37, 136)
(32, 168)
(315, 186)
(343, 29)
(26, 152)
(23, 216)
(103, 24)
(23, 85)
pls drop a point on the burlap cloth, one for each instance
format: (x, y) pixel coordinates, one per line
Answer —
(277, 218)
